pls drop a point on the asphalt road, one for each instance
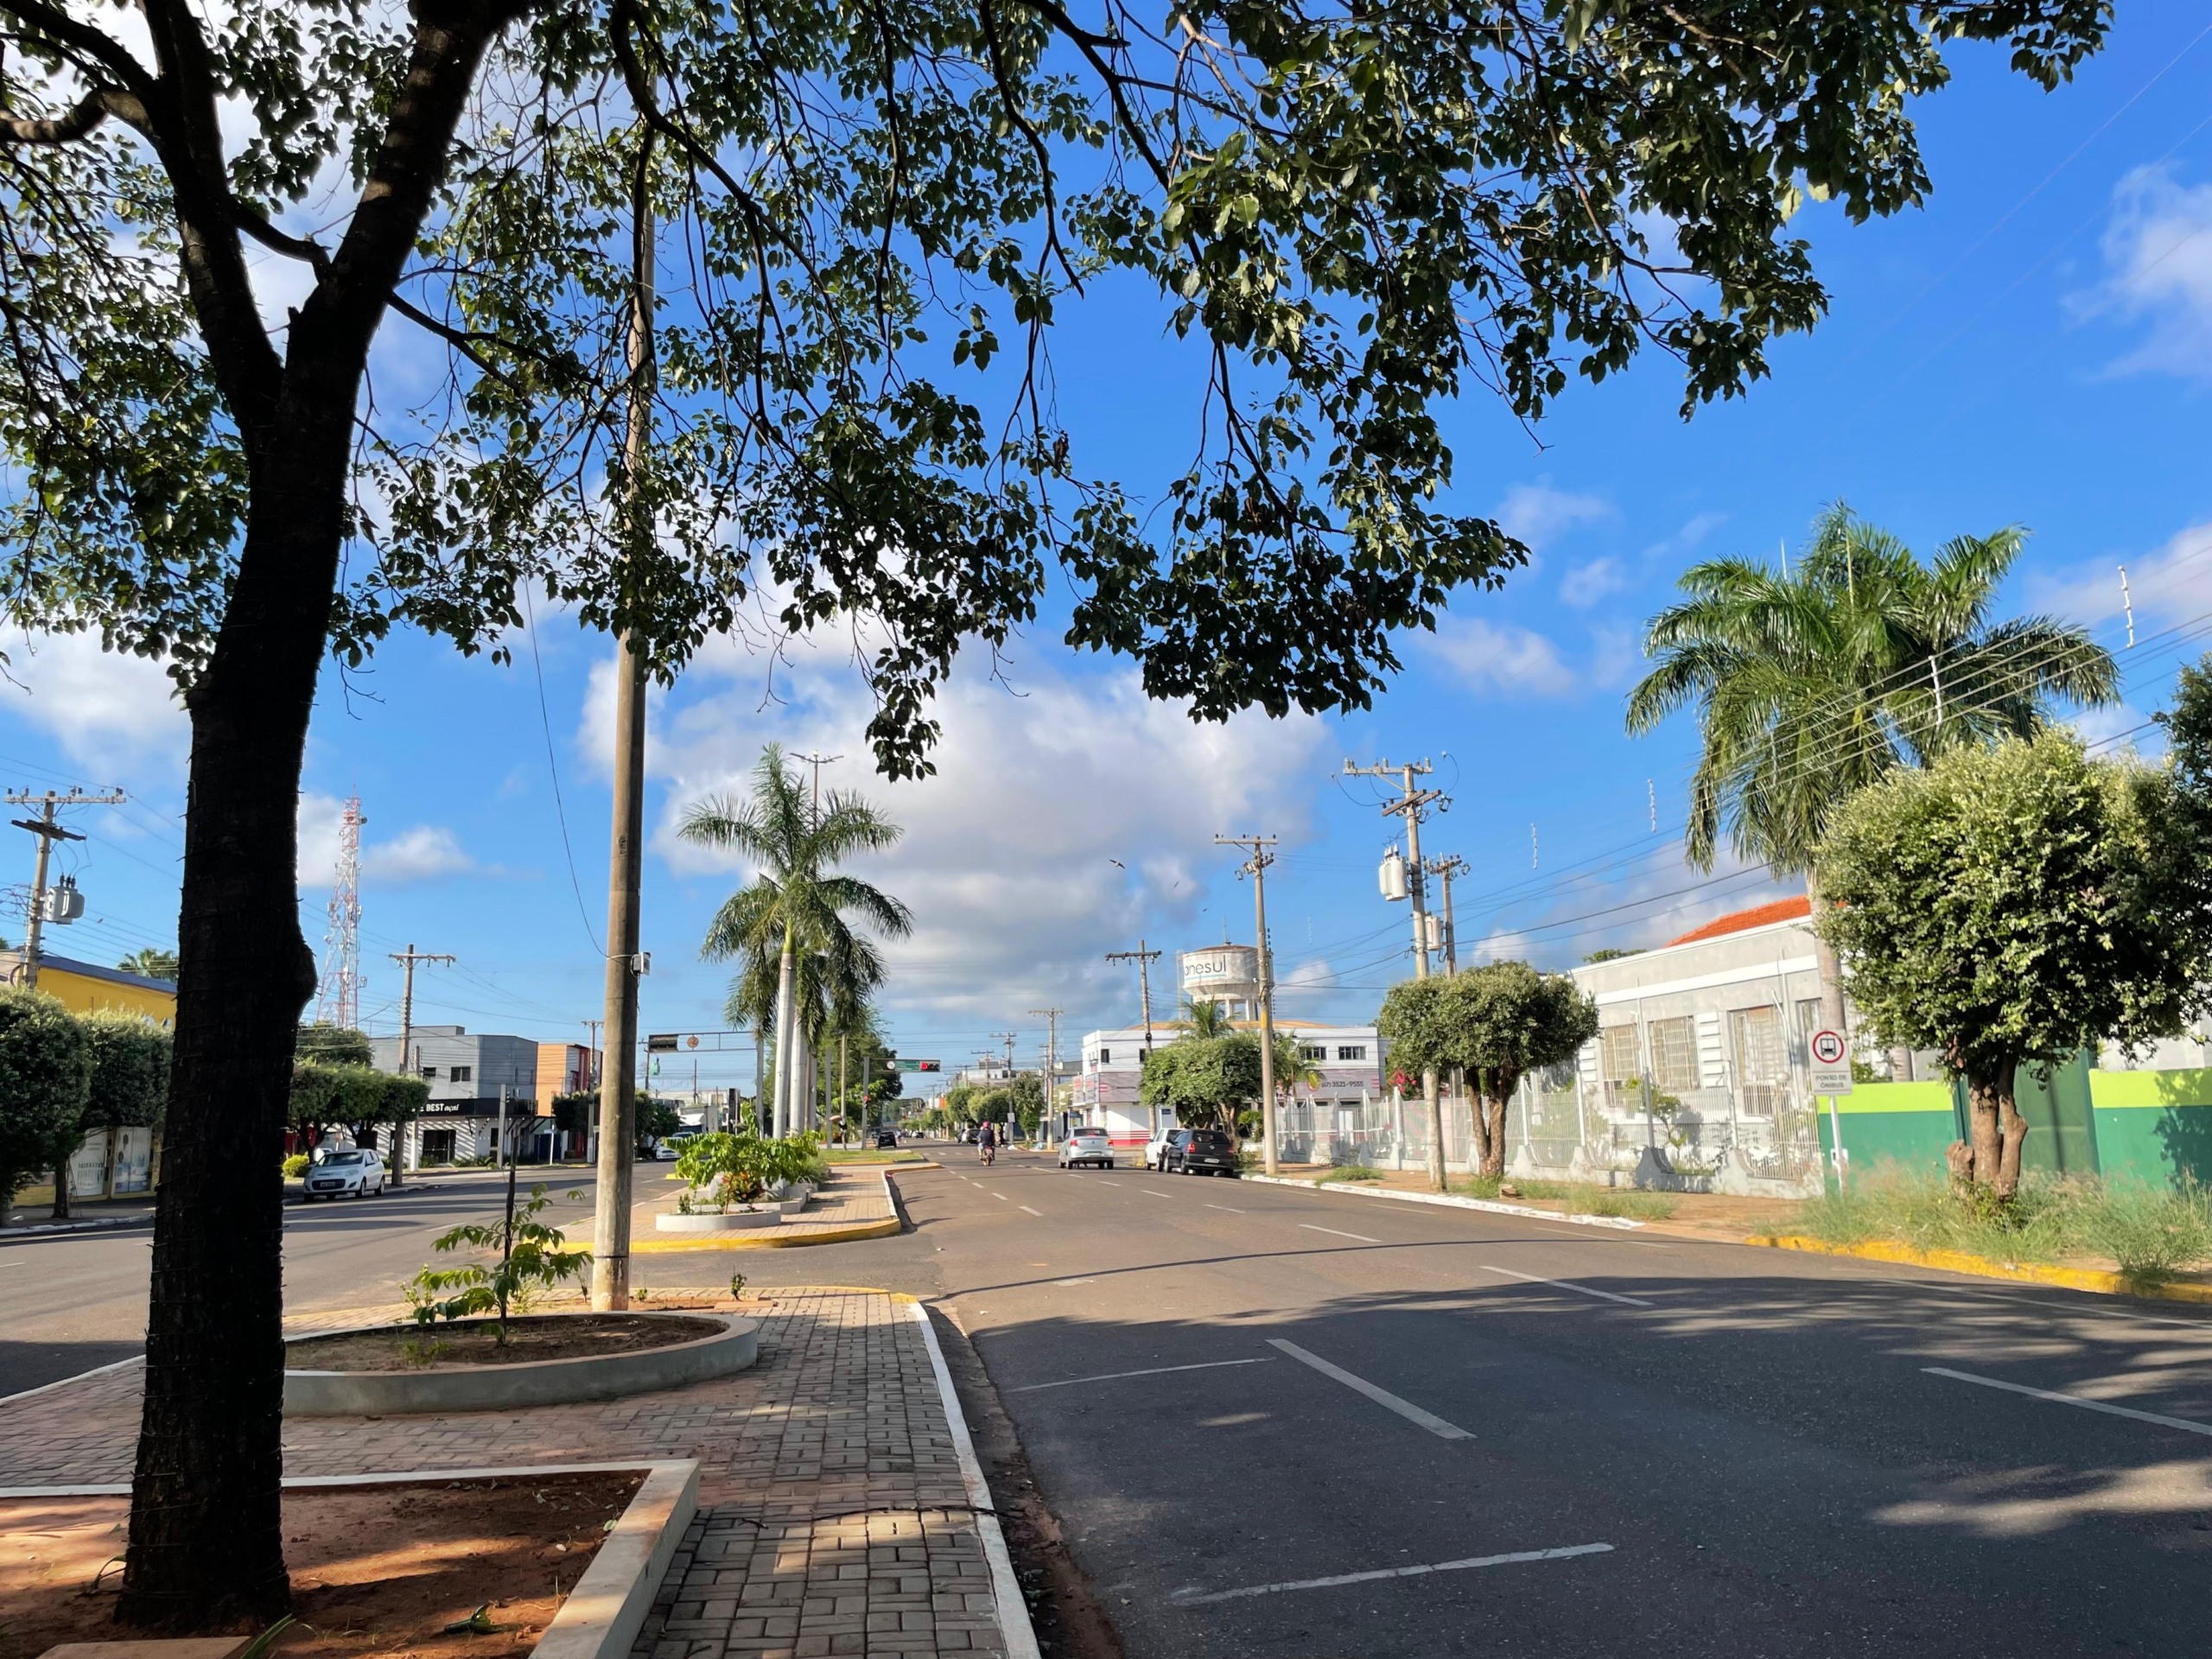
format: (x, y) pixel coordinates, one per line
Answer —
(1279, 1422)
(71, 1301)
(1231, 1394)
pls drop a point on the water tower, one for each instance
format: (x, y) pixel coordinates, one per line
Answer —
(1227, 976)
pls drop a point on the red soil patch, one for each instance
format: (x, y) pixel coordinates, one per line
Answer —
(376, 1570)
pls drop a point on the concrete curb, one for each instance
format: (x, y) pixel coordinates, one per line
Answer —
(537, 1382)
(1492, 1206)
(1006, 1590)
(888, 1227)
(602, 1617)
(2030, 1273)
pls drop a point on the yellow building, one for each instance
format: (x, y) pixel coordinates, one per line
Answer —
(82, 988)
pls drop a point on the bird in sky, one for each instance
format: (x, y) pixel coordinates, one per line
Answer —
(1118, 865)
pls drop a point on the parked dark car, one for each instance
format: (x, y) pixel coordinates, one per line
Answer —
(1199, 1152)
(886, 1138)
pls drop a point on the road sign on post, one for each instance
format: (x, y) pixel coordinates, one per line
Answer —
(918, 1065)
(1831, 1066)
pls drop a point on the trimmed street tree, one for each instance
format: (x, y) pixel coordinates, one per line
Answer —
(1515, 1020)
(1365, 210)
(130, 1077)
(46, 1067)
(1205, 1079)
(1496, 1023)
(2015, 905)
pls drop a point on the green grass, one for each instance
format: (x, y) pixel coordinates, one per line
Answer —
(1349, 1173)
(2152, 1233)
(869, 1155)
(1579, 1198)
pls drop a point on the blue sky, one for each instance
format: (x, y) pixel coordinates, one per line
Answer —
(2035, 347)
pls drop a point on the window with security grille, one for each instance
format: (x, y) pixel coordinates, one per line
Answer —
(1620, 1064)
(1674, 1055)
(1761, 1061)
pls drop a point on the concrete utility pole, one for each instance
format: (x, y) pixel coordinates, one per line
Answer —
(1411, 805)
(1444, 869)
(1144, 959)
(610, 1263)
(1256, 867)
(407, 959)
(1051, 1017)
(48, 832)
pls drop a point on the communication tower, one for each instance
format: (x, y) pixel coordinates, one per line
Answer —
(338, 1001)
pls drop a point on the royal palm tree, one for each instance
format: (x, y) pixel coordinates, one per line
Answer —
(1812, 683)
(796, 905)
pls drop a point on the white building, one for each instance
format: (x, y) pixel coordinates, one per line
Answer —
(1348, 1060)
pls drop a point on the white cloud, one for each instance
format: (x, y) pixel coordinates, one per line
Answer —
(1005, 858)
(2157, 250)
(1586, 584)
(2171, 584)
(423, 852)
(1540, 515)
(1502, 659)
(106, 710)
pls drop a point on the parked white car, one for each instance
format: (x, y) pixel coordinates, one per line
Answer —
(1155, 1150)
(345, 1172)
(1087, 1145)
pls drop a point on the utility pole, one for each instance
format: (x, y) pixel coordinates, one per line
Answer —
(1052, 1016)
(1444, 869)
(48, 832)
(610, 1261)
(817, 761)
(1144, 959)
(1411, 805)
(1256, 867)
(407, 959)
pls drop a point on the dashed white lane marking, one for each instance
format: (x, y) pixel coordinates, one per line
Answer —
(1075, 1281)
(1002, 1197)
(2187, 1424)
(1381, 1396)
(1039, 1214)
(1155, 1192)
(1231, 1207)
(1188, 1598)
(1569, 1284)
(1115, 1376)
(1362, 1237)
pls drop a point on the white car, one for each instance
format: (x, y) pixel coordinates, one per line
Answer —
(347, 1172)
(1087, 1146)
(1155, 1150)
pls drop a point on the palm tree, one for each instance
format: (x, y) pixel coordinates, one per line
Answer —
(1811, 684)
(1204, 1018)
(795, 910)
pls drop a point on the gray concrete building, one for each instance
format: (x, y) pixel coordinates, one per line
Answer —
(465, 1073)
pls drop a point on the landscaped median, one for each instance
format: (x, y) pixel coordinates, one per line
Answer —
(855, 1205)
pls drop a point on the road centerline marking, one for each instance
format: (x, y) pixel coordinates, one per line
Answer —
(1382, 1396)
(1185, 1598)
(2187, 1424)
(1569, 1284)
(1231, 1207)
(1039, 1214)
(1339, 1232)
(1155, 1192)
(1115, 1376)
(1002, 1197)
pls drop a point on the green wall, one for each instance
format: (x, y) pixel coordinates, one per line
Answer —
(2152, 1127)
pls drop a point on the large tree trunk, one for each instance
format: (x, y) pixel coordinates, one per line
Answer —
(1995, 1130)
(61, 1184)
(1500, 1085)
(205, 1549)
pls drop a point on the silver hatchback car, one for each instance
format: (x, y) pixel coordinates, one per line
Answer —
(1087, 1146)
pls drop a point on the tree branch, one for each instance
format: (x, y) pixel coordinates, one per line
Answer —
(102, 48)
(88, 113)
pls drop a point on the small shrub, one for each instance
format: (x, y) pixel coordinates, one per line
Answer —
(295, 1165)
(1627, 1204)
(422, 1353)
(1349, 1173)
(737, 1287)
(532, 1258)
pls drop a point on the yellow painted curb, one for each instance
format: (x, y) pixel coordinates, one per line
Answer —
(883, 1229)
(2032, 1272)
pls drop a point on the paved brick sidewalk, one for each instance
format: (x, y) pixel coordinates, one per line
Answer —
(833, 1516)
